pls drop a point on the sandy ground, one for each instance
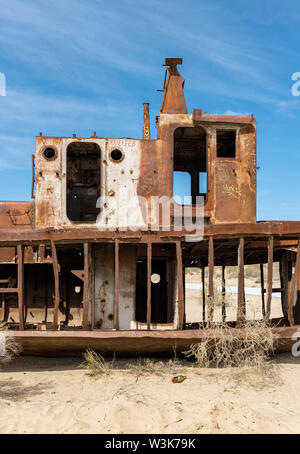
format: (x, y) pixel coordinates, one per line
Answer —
(40, 395)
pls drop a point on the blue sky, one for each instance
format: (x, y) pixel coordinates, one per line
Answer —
(78, 66)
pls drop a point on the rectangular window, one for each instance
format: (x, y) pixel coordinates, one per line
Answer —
(226, 144)
(190, 164)
(83, 181)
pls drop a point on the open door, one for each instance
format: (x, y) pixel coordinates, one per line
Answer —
(161, 307)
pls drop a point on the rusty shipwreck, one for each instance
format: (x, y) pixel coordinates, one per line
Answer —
(65, 285)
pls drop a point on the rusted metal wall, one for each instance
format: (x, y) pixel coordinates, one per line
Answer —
(16, 215)
(231, 181)
(104, 310)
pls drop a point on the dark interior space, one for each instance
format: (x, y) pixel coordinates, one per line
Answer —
(39, 291)
(83, 181)
(190, 157)
(226, 144)
(159, 291)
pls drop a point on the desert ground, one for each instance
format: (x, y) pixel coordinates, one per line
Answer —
(55, 395)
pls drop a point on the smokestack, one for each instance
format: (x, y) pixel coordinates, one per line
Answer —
(146, 122)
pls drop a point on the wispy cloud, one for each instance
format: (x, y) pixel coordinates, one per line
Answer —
(84, 65)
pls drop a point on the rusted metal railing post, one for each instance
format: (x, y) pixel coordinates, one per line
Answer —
(262, 284)
(293, 288)
(180, 284)
(203, 292)
(117, 285)
(149, 272)
(270, 276)
(56, 285)
(20, 253)
(241, 294)
(85, 321)
(210, 281)
(223, 294)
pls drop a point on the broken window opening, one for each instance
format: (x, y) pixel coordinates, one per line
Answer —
(190, 158)
(83, 181)
(226, 144)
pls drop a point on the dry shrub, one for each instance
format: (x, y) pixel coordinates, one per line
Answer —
(13, 349)
(250, 346)
(95, 364)
(146, 366)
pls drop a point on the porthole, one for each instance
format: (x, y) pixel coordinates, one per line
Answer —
(50, 153)
(155, 278)
(116, 155)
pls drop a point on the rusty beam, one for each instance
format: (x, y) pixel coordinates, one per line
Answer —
(20, 253)
(262, 285)
(149, 272)
(292, 294)
(2, 308)
(85, 317)
(241, 309)
(270, 276)
(180, 284)
(210, 314)
(203, 292)
(297, 315)
(30, 237)
(56, 285)
(223, 294)
(9, 290)
(117, 285)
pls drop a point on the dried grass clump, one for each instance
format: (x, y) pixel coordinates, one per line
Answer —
(95, 364)
(222, 346)
(12, 347)
(152, 366)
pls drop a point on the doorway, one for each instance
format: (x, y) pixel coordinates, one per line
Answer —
(161, 308)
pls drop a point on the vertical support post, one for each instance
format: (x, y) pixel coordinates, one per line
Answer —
(2, 308)
(146, 122)
(85, 318)
(241, 295)
(149, 272)
(20, 253)
(117, 285)
(297, 309)
(203, 292)
(262, 284)
(180, 284)
(210, 281)
(56, 285)
(270, 276)
(293, 288)
(223, 294)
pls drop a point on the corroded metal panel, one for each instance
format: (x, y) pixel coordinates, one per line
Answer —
(16, 215)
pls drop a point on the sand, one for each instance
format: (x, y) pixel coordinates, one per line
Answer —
(40, 395)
